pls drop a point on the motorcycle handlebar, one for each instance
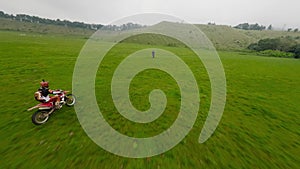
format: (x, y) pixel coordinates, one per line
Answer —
(60, 91)
(57, 91)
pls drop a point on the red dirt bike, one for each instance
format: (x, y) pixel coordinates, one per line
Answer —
(44, 111)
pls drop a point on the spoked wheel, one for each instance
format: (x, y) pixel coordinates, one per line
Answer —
(70, 100)
(40, 117)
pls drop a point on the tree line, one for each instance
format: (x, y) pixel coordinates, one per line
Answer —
(35, 19)
(256, 26)
(123, 27)
(247, 26)
(66, 23)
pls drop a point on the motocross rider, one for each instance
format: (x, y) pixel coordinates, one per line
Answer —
(42, 95)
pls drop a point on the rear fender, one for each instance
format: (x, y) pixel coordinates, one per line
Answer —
(42, 106)
(34, 107)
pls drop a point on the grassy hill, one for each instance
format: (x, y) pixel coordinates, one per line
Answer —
(226, 37)
(13, 25)
(223, 37)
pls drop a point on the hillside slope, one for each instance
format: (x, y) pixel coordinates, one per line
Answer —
(226, 37)
(13, 25)
(223, 37)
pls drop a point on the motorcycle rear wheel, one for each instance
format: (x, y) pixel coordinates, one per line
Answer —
(40, 117)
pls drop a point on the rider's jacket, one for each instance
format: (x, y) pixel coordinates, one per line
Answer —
(44, 93)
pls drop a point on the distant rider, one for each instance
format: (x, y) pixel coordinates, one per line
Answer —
(42, 94)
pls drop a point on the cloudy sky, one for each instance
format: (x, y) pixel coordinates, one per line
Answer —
(279, 13)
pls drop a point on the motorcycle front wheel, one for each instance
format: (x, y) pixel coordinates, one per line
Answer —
(70, 100)
(40, 117)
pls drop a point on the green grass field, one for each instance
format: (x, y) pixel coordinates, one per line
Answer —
(259, 127)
